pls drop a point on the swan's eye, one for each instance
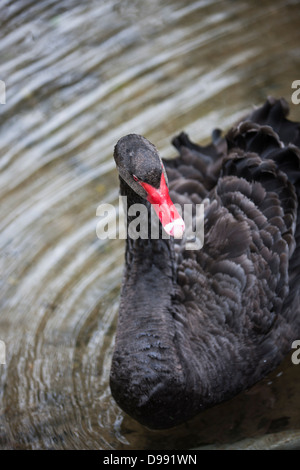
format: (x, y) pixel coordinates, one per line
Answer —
(135, 178)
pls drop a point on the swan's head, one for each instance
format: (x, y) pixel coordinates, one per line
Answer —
(141, 167)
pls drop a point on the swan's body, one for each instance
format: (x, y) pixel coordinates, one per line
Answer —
(198, 326)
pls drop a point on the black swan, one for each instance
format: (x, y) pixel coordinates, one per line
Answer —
(196, 327)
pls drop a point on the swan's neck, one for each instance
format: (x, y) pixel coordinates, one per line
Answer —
(148, 285)
(146, 349)
(147, 247)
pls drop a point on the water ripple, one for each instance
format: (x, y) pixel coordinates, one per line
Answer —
(79, 76)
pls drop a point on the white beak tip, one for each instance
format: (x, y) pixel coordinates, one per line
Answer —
(175, 228)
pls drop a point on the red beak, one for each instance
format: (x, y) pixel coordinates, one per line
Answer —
(164, 208)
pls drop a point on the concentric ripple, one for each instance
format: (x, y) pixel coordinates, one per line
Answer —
(78, 76)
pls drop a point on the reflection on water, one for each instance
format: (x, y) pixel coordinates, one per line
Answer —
(78, 76)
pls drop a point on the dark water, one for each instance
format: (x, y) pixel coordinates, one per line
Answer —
(79, 75)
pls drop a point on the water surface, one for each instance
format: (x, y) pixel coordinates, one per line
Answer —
(78, 76)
